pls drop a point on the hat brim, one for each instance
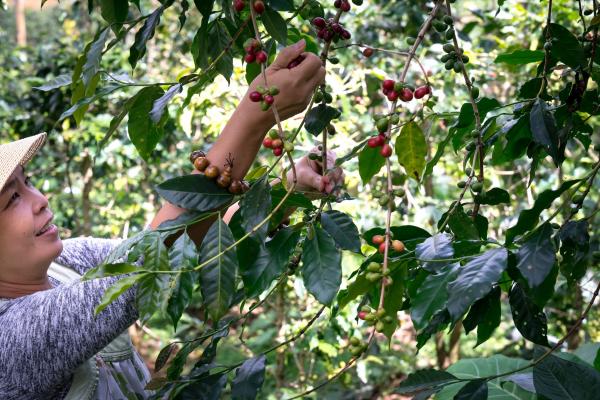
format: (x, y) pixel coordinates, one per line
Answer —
(17, 153)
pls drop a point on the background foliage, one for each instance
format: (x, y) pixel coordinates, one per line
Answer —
(106, 188)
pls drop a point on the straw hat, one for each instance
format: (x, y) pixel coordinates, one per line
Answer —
(18, 153)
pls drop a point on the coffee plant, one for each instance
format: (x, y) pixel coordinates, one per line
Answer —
(452, 278)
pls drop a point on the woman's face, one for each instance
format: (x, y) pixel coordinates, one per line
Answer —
(25, 254)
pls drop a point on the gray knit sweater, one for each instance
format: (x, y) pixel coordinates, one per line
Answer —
(45, 336)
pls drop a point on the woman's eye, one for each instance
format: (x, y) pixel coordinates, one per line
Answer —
(13, 198)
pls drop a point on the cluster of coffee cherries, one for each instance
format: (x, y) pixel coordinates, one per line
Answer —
(379, 242)
(384, 200)
(330, 30)
(264, 95)
(222, 178)
(398, 90)
(257, 5)
(323, 95)
(357, 347)
(275, 143)
(381, 140)
(254, 52)
(375, 318)
(454, 58)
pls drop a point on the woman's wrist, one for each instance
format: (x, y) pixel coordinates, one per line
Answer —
(257, 120)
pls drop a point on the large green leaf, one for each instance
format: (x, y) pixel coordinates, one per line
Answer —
(475, 368)
(439, 321)
(370, 162)
(529, 319)
(114, 12)
(143, 132)
(217, 278)
(474, 390)
(341, 227)
(437, 247)
(424, 379)
(358, 287)
(485, 315)
(146, 32)
(574, 249)
(255, 207)
(411, 149)
(545, 132)
(105, 270)
(270, 262)
(151, 292)
(183, 255)
(520, 57)
(93, 57)
(528, 219)
(248, 379)
(322, 270)
(118, 289)
(194, 192)
(537, 256)
(566, 47)
(432, 295)
(319, 117)
(160, 105)
(275, 25)
(558, 379)
(475, 280)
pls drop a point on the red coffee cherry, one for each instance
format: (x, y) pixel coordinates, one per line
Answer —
(259, 7)
(398, 246)
(268, 143)
(255, 96)
(269, 99)
(319, 22)
(362, 314)
(368, 52)
(382, 248)
(261, 57)
(388, 84)
(250, 58)
(386, 150)
(345, 6)
(277, 143)
(346, 35)
(422, 92)
(378, 239)
(406, 94)
(239, 5)
(392, 96)
(278, 151)
(373, 142)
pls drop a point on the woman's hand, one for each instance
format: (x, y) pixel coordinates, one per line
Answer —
(310, 177)
(295, 85)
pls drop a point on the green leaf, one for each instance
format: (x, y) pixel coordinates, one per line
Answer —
(151, 292)
(217, 278)
(520, 57)
(204, 6)
(432, 295)
(411, 149)
(278, 192)
(200, 45)
(143, 132)
(160, 104)
(209, 388)
(474, 390)
(528, 219)
(93, 57)
(255, 207)
(438, 322)
(104, 270)
(495, 196)
(475, 280)
(537, 256)
(194, 192)
(341, 227)
(529, 319)
(319, 117)
(441, 147)
(566, 47)
(555, 378)
(114, 12)
(116, 290)
(574, 250)
(282, 5)
(82, 103)
(475, 368)
(370, 162)
(424, 379)
(436, 247)
(485, 315)
(155, 252)
(271, 261)
(146, 32)
(183, 255)
(249, 378)
(59, 81)
(163, 356)
(358, 287)
(322, 270)
(545, 132)
(275, 25)
(590, 353)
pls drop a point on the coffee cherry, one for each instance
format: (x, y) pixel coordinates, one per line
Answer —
(393, 96)
(439, 25)
(388, 84)
(475, 92)
(422, 92)
(319, 22)
(264, 106)
(354, 341)
(278, 151)
(386, 150)
(379, 326)
(269, 99)
(448, 47)
(259, 7)
(399, 192)
(211, 172)
(345, 6)
(255, 96)
(373, 142)
(200, 163)
(398, 246)
(406, 95)
(239, 5)
(449, 65)
(368, 52)
(261, 57)
(357, 351)
(268, 143)
(373, 276)
(378, 239)
(374, 267)
(249, 58)
(289, 147)
(382, 125)
(457, 66)
(462, 184)
(362, 315)
(277, 143)
(384, 200)
(477, 187)
(382, 248)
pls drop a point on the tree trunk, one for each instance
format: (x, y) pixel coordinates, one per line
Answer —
(20, 24)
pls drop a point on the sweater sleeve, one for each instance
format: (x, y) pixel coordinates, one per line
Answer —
(84, 253)
(45, 336)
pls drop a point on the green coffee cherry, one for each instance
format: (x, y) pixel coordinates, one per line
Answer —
(374, 267)
(448, 20)
(475, 92)
(462, 184)
(449, 34)
(379, 326)
(457, 66)
(318, 97)
(448, 47)
(449, 65)
(373, 276)
(382, 125)
(355, 341)
(395, 119)
(388, 319)
(399, 192)
(446, 58)
(477, 187)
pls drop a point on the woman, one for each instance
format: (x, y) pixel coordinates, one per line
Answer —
(51, 344)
